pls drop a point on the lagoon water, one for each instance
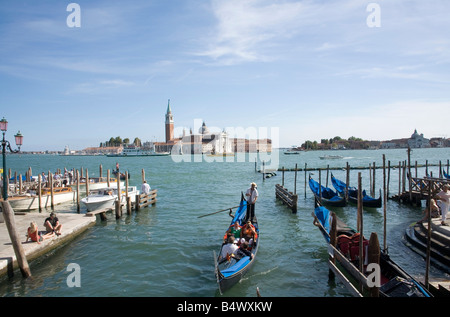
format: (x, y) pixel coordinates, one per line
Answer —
(167, 251)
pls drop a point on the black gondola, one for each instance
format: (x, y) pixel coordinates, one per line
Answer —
(326, 195)
(367, 201)
(230, 270)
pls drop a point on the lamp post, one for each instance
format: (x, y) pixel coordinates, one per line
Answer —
(5, 144)
(8, 212)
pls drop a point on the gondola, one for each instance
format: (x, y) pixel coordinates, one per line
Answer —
(367, 201)
(447, 176)
(230, 270)
(329, 196)
(394, 281)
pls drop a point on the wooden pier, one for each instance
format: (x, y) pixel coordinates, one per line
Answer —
(419, 189)
(288, 198)
(15, 253)
(141, 201)
(73, 224)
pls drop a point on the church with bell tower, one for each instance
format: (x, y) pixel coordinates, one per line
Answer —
(169, 124)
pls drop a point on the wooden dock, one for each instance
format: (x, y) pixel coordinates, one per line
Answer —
(141, 201)
(288, 198)
(73, 224)
(439, 250)
(420, 189)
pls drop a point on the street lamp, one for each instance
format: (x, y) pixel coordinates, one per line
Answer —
(19, 141)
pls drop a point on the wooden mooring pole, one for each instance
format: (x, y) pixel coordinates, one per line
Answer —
(8, 214)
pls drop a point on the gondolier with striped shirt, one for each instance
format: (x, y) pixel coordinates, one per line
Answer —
(252, 196)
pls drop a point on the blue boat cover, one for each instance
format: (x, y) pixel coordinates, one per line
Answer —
(236, 267)
(240, 213)
(327, 192)
(323, 215)
(352, 191)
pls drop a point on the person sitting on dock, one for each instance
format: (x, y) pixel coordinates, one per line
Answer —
(434, 211)
(35, 235)
(444, 198)
(145, 188)
(52, 224)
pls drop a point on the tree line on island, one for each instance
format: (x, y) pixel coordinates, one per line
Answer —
(117, 141)
(338, 143)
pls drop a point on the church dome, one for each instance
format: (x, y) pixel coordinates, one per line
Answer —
(204, 129)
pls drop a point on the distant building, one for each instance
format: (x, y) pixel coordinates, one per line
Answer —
(437, 142)
(169, 124)
(418, 141)
(415, 141)
(205, 142)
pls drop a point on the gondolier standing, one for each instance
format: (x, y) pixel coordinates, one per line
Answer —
(252, 196)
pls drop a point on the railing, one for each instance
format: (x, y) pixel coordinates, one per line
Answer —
(286, 197)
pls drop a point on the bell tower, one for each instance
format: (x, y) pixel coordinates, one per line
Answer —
(169, 123)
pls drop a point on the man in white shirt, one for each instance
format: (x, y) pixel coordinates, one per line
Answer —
(145, 188)
(444, 201)
(252, 196)
(229, 248)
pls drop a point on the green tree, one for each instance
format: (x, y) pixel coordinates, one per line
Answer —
(137, 142)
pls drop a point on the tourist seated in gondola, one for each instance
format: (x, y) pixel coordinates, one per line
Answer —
(248, 232)
(235, 230)
(229, 249)
(243, 251)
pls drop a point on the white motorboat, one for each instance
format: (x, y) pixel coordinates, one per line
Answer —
(97, 183)
(101, 198)
(104, 198)
(30, 200)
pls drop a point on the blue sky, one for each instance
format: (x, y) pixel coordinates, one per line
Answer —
(311, 69)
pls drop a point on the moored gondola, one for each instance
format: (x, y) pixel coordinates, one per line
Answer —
(392, 279)
(367, 201)
(326, 195)
(230, 268)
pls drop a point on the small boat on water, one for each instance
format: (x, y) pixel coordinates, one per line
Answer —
(229, 270)
(100, 199)
(104, 198)
(96, 183)
(331, 157)
(393, 280)
(367, 201)
(295, 150)
(30, 200)
(326, 195)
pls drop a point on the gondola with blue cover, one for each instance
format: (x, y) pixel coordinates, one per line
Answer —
(367, 201)
(447, 176)
(229, 271)
(326, 195)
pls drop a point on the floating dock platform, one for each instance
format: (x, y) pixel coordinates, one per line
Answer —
(73, 224)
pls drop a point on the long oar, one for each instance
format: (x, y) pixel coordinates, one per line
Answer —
(218, 212)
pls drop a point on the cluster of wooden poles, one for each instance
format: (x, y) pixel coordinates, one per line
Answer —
(404, 168)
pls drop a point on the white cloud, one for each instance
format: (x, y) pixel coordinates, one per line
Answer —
(244, 27)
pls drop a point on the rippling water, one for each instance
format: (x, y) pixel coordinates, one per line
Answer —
(166, 250)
